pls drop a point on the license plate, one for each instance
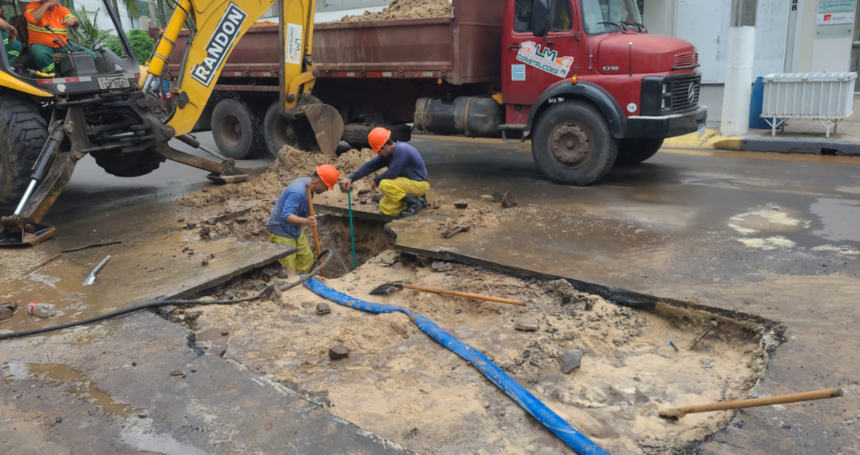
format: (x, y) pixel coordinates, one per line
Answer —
(701, 130)
(107, 83)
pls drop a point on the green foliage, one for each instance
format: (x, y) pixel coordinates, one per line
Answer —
(141, 44)
(88, 34)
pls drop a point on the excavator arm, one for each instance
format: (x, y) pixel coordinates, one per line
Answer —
(220, 24)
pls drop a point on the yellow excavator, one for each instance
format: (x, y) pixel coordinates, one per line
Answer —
(123, 114)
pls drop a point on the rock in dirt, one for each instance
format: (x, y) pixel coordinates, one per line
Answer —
(166, 309)
(461, 204)
(7, 310)
(497, 197)
(376, 197)
(525, 324)
(191, 225)
(509, 200)
(570, 361)
(260, 287)
(269, 273)
(181, 219)
(363, 191)
(323, 308)
(338, 352)
(204, 262)
(441, 266)
(177, 373)
(411, 434)
(435, 205)
(405, 9)
(639, 397)
(204, 232)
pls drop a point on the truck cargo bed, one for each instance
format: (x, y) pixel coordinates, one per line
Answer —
(464, 49)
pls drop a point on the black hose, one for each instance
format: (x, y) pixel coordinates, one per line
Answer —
(157, 303)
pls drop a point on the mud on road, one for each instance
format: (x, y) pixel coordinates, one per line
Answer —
(403, 386)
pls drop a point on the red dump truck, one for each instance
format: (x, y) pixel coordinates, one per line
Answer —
(581, 79)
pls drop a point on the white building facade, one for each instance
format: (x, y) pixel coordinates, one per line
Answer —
(791, 35)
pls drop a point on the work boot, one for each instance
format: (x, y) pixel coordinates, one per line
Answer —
(413, 205)
(424, 202)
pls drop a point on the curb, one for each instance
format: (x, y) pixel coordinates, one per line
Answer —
(711, 140)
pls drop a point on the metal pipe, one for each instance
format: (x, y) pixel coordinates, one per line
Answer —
(26, 197)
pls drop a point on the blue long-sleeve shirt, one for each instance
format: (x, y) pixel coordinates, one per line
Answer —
(293, 201)
(404, 162)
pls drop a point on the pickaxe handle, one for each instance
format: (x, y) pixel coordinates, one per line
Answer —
(767, 401)
(467, 295)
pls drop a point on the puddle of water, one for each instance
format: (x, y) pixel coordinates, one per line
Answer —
(838, 249)
(136, 436)
(838, 217)
(80, 385)
(767, 244)
(771, 219)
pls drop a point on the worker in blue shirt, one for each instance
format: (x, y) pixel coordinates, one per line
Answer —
(404, 183)
(292, 214)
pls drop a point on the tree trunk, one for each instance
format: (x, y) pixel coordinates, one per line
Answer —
(162, 15)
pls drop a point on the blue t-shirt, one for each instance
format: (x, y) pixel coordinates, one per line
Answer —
(293, 201)
(404, 162)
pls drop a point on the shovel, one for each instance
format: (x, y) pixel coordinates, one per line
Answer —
(388, 288)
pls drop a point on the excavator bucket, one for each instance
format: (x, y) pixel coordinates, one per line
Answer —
(325, 123)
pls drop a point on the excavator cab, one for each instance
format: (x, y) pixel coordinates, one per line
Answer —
(110, 107)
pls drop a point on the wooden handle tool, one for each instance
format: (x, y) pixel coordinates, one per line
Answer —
(755, 402)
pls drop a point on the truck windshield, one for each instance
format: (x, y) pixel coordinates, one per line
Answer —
(604, 16)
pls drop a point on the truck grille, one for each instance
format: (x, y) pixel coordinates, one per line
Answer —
(683, 96)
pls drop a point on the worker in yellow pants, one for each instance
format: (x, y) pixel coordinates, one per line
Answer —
(300, 262)
(404, 183)
(292, 213)
(394, 190)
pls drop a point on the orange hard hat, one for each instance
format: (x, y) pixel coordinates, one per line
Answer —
(328, 174)
(378, 137)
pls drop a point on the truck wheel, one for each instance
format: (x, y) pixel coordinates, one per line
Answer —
(277, 131)
(236, 130)
(23, 132)
(129, 164)
(356, 133)
(572, 144)
(634, 151)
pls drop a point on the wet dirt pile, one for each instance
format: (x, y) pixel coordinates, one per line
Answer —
(405, 9)
(397, 382)
(290, 165)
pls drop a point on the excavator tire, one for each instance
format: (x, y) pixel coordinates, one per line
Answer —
(23, 132)
(130, 164)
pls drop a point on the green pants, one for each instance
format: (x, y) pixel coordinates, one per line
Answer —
(44, 55)
(300, 262)
(13, 50)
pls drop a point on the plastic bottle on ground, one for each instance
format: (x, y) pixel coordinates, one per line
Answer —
(42, 310)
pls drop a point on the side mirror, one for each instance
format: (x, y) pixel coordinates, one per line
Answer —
(540, 18)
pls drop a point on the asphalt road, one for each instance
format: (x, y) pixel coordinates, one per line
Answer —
(768, 234)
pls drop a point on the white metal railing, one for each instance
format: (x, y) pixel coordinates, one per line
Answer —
(825, 97)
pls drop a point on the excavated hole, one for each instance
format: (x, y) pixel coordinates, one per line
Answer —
(370, 240)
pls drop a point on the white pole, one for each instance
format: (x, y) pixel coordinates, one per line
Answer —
(739, 69)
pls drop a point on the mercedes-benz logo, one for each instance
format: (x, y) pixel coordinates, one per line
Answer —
(691, 92)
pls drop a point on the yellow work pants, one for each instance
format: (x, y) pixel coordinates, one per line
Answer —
(393, 191)
(303, 260)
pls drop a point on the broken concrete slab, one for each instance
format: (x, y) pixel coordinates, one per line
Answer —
(461, 204)
(128, 362)
(441, 266)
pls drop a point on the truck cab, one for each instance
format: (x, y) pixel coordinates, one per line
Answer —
(591, 88)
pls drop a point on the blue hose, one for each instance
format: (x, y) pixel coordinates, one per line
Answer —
(552, 421)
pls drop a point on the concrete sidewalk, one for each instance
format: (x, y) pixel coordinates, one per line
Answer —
(805, 137)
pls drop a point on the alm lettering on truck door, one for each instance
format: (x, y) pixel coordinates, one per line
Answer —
(219, 45)
(544, 59)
